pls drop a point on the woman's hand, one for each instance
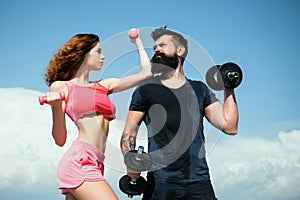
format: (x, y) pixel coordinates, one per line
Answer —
(133, 35)
(54, 99)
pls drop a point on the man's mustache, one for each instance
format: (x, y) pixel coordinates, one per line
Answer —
(158, 56)
(163, 62)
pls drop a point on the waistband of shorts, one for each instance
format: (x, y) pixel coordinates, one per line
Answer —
(90, 147)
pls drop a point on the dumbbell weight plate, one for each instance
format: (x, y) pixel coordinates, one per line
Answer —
(138, 162)
(231, 75)
(214, 79)
(126, 186)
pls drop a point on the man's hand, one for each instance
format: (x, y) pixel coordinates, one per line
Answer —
(132, 174)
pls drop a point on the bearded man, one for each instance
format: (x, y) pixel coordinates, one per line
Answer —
(173, 108)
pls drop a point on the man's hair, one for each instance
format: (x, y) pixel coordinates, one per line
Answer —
(178, 38)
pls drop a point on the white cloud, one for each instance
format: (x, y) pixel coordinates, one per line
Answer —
(28, 156)
(255, 168)
(241, 168)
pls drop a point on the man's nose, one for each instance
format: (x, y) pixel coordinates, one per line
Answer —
(157, 49)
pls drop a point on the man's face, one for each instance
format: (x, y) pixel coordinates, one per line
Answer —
(165, 55)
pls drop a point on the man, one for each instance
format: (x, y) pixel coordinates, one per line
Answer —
(173, 108)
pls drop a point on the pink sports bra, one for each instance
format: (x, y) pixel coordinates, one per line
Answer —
(88, 99)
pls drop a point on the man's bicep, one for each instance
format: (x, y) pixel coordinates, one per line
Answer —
(214, 114)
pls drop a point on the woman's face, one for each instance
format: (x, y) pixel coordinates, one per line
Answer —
(95, 58)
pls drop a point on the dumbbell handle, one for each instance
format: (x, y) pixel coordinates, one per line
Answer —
(43, 99)
(139, 152)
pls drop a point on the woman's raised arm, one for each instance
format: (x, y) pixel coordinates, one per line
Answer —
(124, 83)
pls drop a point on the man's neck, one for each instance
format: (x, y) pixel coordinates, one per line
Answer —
(173, 79)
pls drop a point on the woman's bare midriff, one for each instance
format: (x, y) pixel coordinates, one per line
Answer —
(93, 129)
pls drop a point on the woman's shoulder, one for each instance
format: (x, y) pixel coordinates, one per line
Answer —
(108, 83)
(58, 86)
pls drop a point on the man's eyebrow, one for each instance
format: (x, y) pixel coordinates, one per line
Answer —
(160, 44)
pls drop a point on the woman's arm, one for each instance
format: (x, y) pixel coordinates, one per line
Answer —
(120, 84)
(224, 117)
(59, 131)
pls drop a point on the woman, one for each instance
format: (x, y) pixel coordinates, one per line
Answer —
(80, 171)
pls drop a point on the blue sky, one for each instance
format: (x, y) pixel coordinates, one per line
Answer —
(261, 36)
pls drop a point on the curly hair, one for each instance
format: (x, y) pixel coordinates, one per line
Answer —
(178, 38)
(65, 63)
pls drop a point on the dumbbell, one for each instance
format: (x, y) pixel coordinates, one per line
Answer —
(133, 33)
(138, 161)
(228, 75)
(43, 99)
(132, 187)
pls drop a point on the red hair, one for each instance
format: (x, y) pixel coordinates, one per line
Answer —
(65, 63)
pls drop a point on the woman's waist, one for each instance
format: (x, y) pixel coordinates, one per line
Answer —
(94, 150)
(96, 139)
(93, 131)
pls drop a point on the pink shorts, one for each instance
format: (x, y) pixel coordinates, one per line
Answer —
(82, 162)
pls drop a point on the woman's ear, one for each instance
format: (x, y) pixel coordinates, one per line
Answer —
(180, 50)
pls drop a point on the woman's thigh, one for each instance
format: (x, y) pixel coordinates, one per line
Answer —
(97, 190)
(69, 196)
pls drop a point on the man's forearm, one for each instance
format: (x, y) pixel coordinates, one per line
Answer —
(128, 142)
(230, 112)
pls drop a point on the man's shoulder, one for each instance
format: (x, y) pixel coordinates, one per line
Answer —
(153, 80)
(196, 82)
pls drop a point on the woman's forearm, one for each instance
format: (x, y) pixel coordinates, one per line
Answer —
(59, 131)
(145, 65)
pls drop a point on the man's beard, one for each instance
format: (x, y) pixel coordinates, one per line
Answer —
(163, 63)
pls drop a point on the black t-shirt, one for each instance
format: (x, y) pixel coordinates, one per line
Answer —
(174, 120)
